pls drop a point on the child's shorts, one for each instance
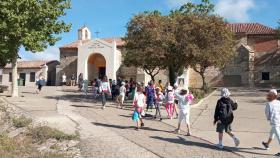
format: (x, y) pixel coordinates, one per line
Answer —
(221, 128)
(184, 115)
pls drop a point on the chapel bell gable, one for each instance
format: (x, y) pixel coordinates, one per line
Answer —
(84, 33)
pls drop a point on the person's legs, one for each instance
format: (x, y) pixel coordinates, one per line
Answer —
(103, 100)
(167, 110)
(187, 119)
(180, 119)
(175, 109)
(171, 110)
(159, 113)
(229, 132)
(220, 130)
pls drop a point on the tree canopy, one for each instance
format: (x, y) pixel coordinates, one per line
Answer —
(143, 39)
(31, 24)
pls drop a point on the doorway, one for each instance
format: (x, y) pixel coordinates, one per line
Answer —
(96, 66)
(22, 78)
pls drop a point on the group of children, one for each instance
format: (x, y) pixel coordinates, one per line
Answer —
(156, 96)
(173, 98)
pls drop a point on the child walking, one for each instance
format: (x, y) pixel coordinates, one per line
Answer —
(159, 100)
(184, 100)
(170, 102)
(138, 102)
(272, 112)
(224, 117)
(121, 96)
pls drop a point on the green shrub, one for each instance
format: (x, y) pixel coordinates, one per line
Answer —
(42, 133)
(7, 144)
(197, 93)
(54, 155)
(21, 122)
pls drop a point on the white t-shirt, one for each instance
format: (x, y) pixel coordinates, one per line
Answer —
(105, 87)
(183, 102)
(122, 90)
(64, 78)
(139, 99)
(170, 97)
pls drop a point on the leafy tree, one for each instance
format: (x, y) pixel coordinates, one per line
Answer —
(143, 43)
(209, 40)
(31, 24)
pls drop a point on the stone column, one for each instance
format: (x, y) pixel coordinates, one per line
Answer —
(45, 72)
(251, 78)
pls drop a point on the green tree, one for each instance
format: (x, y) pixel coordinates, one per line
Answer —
(31, 24)
(144, 43)
(208, 38)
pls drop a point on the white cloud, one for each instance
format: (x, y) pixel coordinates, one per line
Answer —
(236, 10)
(176, 3)
(51, 53)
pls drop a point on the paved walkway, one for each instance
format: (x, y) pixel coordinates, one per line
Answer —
(110, 132)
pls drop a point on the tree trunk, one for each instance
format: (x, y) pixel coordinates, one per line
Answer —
(14, 77)
(172, 75)
(204, 84)
(152, 78)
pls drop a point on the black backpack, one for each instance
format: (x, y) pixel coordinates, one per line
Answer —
(226, 108)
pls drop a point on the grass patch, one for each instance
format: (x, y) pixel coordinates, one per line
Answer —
(42, 133)
(21, 122)
(54, 155)
(7, 144)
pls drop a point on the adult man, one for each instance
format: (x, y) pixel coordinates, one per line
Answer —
(272, 112)
(73, 80)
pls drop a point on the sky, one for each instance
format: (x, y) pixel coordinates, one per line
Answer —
(109, 17)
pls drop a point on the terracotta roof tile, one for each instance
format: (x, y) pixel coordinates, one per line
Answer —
(251, 28)
(29, 64)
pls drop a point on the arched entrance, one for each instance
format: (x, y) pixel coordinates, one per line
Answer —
(96, 66)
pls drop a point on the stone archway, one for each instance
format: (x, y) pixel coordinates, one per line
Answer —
(96, 66)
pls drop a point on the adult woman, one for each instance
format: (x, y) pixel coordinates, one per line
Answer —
(105, 90)
(80, 81)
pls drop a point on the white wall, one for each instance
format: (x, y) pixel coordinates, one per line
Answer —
(5, 78)
(97, 46)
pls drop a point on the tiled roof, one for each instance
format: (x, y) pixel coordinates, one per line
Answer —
(75, 44)
(251, 28)
(29, 64)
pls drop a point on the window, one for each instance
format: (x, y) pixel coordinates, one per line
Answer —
(10, 77)
(265, 76)
(32, 77)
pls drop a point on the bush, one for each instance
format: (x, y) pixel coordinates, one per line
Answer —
(43, 133)
(198, 93)
(7, 144)
(54, 155)
(21, 122)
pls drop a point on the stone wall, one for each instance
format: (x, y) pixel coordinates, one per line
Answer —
(68, 64)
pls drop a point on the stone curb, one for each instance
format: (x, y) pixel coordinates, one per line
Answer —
(202, 100)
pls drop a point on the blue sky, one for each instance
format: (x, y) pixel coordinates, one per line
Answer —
(110, 17)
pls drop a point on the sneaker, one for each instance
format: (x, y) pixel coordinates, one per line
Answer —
(265, 145)
(278, 154)
(220, 146)
(189, 134)
(142, 124)
(177, 131)
(236, 142)
(103, 107)
(160, 119)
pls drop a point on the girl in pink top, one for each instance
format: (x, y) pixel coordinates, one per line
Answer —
(169, 101)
